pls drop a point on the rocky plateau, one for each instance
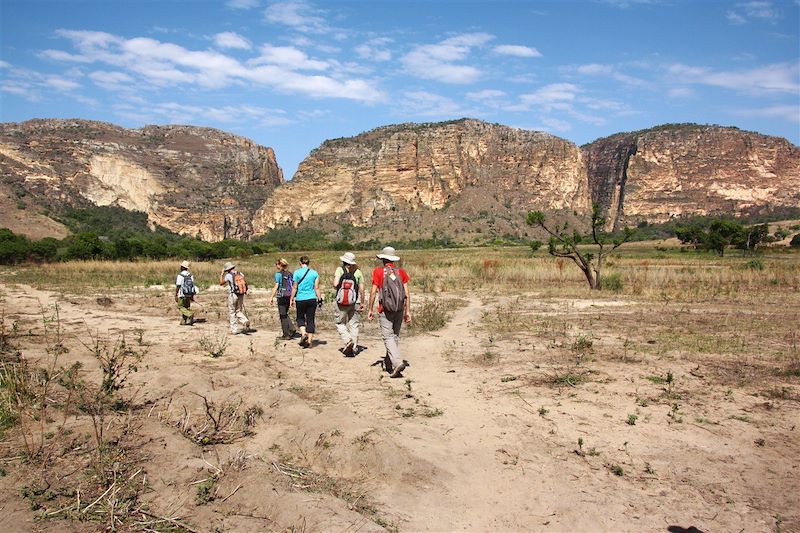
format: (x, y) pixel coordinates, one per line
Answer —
(467, 179)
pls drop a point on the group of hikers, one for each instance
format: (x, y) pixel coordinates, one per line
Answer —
(300, 289)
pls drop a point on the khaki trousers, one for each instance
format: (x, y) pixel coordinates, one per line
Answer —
(390, 331)
(348, 322)
(236, 314)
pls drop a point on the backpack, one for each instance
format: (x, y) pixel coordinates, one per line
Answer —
(347, 290)
(393, 294)
(285, 287)
(187, 287)
(239, 284)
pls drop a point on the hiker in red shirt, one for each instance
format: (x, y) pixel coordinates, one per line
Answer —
(394, 306)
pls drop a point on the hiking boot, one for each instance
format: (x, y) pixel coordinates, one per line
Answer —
(348, 350)
(304, 342)
(398, 372)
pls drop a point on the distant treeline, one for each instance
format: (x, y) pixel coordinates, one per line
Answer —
(119, 234)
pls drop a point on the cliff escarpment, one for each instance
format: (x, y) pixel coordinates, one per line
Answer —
(445, 176)
(191, 180)
(677, 170)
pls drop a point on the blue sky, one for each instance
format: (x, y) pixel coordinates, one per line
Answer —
(290, 74)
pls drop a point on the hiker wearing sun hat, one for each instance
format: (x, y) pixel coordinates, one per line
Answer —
(237, 288)
(348, 280)
(185, 290)
(390, 284)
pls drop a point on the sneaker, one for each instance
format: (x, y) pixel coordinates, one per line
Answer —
(398, 372)
(304, 342)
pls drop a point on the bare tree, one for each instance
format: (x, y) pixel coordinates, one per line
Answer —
(565, 242)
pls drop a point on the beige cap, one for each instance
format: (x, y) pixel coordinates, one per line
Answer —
(349, 258)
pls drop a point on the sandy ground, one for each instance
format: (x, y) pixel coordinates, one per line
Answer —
(481, 434)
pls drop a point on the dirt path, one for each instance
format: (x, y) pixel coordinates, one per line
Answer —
(475, 437)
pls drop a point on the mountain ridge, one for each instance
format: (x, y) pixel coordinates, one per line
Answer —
(466, 178)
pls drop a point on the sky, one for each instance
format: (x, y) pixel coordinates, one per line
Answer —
(291, 74)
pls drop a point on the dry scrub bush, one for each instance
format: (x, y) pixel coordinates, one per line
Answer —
(220, 422)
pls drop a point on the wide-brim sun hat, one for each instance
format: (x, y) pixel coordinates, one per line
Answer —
(228, 266)
(185, 264)
(349, 258)
(389, 254)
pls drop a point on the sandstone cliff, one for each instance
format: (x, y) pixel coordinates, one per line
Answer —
(675, 170)
(433, 174)
(191, 180)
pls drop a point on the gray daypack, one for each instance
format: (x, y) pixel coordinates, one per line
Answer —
(188, 288)
(393, 294)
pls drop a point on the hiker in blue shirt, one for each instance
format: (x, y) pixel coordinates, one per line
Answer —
(306, 297)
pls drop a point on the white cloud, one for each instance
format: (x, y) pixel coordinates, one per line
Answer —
(554, 124)
(759, 10)
(423, 103)
(785, 112)
(114, 81)
(436, 61)
(154, 64)
(59, 55)
(486, 94)
(242, 4)
(230, 39)
(680, 92)
(288, 57)
(298, 15)
(552, 96)
(778, 77)
(517, 50)
(611, 71)
(375, 50)
(61, 84)
(175, 113)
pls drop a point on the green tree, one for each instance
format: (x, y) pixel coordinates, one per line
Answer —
(85, 245)
(565, 242)
(723, 233)
(692, 233)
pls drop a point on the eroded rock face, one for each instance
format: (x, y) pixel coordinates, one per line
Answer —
(670, 171)
(191, 180)
(465, 165)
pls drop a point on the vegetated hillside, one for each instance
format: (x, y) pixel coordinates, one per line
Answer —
(688, 169)
(191, 180)
(463, 181)
(465, 178)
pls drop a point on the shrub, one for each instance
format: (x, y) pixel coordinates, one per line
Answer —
(754, 264)
(795, 242)
(611, 282)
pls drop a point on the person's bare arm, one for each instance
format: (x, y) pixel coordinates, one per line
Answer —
(407, 316)
(372, 293)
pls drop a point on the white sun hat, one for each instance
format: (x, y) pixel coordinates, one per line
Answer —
(389, 254)
(349, 258)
